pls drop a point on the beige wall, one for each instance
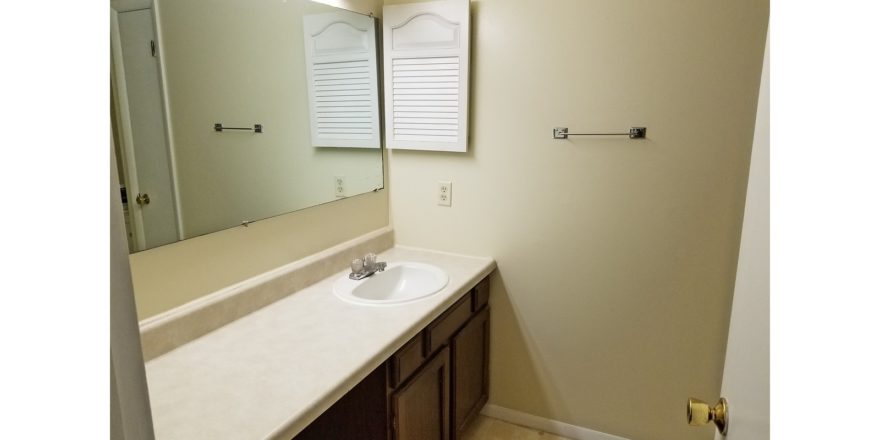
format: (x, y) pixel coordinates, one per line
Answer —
(172, 275)
(616, 258)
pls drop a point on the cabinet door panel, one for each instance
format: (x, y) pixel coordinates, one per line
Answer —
(470, 355)
(421, 406)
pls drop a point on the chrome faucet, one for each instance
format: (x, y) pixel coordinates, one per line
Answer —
(364, 267)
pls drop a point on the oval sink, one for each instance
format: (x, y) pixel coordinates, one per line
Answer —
(400, 282)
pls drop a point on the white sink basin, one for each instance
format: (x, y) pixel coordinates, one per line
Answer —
(400, 283)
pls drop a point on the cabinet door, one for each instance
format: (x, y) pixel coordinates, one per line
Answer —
(420, 408)
(470, 381)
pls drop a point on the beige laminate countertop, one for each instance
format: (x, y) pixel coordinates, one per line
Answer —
(271, 373)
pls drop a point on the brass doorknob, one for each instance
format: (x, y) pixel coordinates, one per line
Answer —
(700, 413)
(142, 199)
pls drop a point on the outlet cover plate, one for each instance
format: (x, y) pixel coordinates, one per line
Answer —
(444, 193)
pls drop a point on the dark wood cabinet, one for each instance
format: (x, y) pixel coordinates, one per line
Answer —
(360, 414)
(430, 389)
(470, 381)
(420, 408)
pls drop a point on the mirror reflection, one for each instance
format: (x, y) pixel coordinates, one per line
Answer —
(226, 112)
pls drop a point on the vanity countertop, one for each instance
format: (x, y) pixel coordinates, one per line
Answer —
(271, 373)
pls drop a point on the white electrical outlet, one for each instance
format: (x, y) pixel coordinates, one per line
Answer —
(444, 193)
(339, 185)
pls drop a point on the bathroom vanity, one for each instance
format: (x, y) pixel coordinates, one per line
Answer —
(429, 389)
(312, 366)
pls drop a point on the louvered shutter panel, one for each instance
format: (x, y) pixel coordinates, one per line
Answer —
(341, 71)
(426, 51)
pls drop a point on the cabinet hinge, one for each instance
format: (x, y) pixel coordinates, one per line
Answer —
(153, 47)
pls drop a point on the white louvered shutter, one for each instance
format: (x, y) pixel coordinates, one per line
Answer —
(341, 70)
(426, 59)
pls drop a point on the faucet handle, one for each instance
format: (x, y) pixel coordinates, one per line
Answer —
(370, 261)
(357, 265)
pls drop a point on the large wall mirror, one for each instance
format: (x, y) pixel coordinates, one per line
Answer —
(226, 112)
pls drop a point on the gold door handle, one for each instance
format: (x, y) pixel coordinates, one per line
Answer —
(142, 199)
(700, 413)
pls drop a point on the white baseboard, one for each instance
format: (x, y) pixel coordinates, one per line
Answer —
(546, 425)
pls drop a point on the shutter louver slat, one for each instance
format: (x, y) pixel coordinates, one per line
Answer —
(428, 92)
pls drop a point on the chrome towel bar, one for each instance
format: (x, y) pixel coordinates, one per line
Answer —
(634, 133)
(258, 128)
